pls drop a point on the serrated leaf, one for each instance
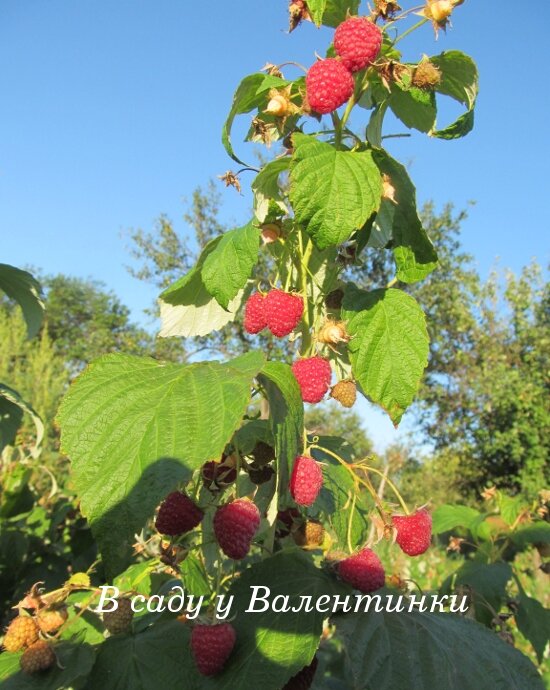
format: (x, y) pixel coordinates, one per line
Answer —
(374, 128)
(317, 9)
(337, 11)
(417, 651)
(272, 647)
(74, 663)
(536, 533)
(533, 621)
(22, 287)
(229, 265)
(333, 193)
(447, 517)
(414, 107)
(133, 428)
(188, 309)
(459, 128)
(414, 253)
(12, 407)
(459, 80)
(249, 95)
(389, 345)
(266, 186)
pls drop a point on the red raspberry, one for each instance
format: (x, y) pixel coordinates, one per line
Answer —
(328, 85)
(414, 532)
(304, 678)
(211, 646)
(178, 514)
(363, 571)
(357, 41)
(235, 524)
(254, 313)
(283, 311)
(305, 481)
(313, 374)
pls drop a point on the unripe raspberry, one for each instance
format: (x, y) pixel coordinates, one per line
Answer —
(235, 525)
(306, 480)
(270, 233)
(313, 375)
(21, 632)
(333, 333)
(357, 41)
(426, 76)
(254, 314)
(304, 678)
(119, 620)
(310, 533)
(440, 10)
(363, 571)
(178, 514)
(50, 620)
(38, 657)
(283, 311)
(345, 392)
(211, 646)
(328, 85)
(414, 532)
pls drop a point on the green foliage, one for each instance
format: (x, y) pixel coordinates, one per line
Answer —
(24, 289)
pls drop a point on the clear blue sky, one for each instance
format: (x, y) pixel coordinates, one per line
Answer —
(111, 112)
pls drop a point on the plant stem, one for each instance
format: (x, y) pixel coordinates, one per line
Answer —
(390, 483)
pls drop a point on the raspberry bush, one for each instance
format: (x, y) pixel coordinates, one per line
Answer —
(201, 478)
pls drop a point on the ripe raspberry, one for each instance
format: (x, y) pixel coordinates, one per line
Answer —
(211, 646)
(38, 657)
(286, 520)
(304, 678)
(119, 620)
(216, 476)
(414, 532)
(254, 314)
(328, 85)
(306, 480)
(310, 533)
(357, 41)
(363, 571)
(50, 620)
(345, 392)
(313, 375)
(235, 525)
(21, 632)
(178, 514)
(283, 311)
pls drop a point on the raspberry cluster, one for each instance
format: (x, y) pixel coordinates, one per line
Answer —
(278, 311)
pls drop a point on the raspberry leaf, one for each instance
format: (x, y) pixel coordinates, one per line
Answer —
(447, 517)
(12, 408)
(22, 287)
(459, 80)
(388, 346)
(333, 193)
(387, 650)
(413, 251)
(266, 187)
(414, 107)
(134, 428)
(227, 268)
(336, 11)
(533, 621)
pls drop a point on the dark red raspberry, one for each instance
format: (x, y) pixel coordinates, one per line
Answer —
(211, 646)
(254, 313)
(414, 532)
(178, 514)
(283, 311)
(363, 571)
(235, 525)
(328, 85)
(304, 678)
(313, 375)
(305, 481)
(357, 41)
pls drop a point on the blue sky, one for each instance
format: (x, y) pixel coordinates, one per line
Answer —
(111, 113)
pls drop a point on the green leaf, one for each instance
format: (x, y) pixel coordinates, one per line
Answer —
(188, 309)
(337, 11)
(420, 651)
(536, 533)
(333, 193)
(250, 94)
(22, 287)
(133, 428)
(414, 107)
(12, 407)
(374, 128)
(266, 186)
(446, 517)
(252, 432)
(510, 507)
(533, 621)
(74, 663)
(228, 267)
(157, 657)
(459, 81)
(272, 647)
(414, 253)
(317, 9)
(388, 347)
